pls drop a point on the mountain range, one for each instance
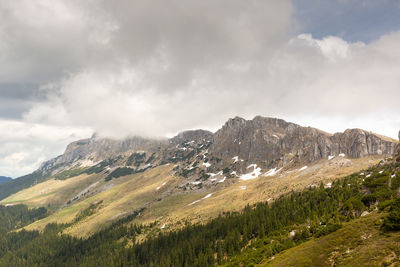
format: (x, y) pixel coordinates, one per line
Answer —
(163, 185)
(267, 142)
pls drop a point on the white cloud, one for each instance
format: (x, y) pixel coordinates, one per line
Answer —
(25, 145)
(131, 67)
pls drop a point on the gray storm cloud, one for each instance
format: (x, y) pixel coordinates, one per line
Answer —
(153, 68)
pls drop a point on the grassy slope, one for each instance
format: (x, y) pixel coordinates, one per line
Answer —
(166, 206)
(53, 192)
(358, 243)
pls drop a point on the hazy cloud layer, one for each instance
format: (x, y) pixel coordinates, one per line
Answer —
(154, 68)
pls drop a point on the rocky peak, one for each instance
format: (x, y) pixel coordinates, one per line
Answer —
(267, 142)
(198, 136)
(92, 150)
(359, 143)
(272, 142)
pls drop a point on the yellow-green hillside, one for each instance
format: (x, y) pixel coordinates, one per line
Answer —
(359, 243)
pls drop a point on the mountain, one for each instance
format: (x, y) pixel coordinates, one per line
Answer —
(193, 176)
(267, 142)
(241, 148)
(352, 221)
(4, 179)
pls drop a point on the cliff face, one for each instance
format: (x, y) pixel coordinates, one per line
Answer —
(275, 141)
(268, 142)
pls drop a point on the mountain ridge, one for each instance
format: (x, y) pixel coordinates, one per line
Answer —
(269, 142)
(240, 148)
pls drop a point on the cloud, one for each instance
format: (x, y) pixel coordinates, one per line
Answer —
(160, 70)
(317, 79)
(24, 146)
(154, 68)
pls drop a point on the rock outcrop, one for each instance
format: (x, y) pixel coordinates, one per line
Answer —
(268, 142)
(274, 142)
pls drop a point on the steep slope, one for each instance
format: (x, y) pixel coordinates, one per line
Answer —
(268, 142)
(273, 142)
(350, 221)
(193, 176)
(359, 243)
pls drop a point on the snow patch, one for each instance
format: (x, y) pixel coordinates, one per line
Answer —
(197, 201)
(303, 168)
(196, 182)
(251, 175)
(222, 180)
(272, 172)
(209, 195)
(331, 157)
(206, 164)
(213, 179)
(214, 174)
(342, 155)
(236, 159)
(194, 202)
(158, 188)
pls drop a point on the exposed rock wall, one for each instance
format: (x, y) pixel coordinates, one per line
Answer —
(269, 142)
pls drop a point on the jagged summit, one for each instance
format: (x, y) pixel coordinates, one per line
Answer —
(267, 142)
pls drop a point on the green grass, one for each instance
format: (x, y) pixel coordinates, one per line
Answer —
(359, 243)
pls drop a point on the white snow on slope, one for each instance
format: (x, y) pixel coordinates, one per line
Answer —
(251, 175)
(222, 180)
(214, 174)
(197, 201)
(209, 195)
(331, 157)
(194, 202)
(206, 164)
(158, 188)
(236, 159)
(272, 172)
(342, 155)
(303, 168)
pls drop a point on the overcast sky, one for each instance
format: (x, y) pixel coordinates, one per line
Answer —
(155, 67)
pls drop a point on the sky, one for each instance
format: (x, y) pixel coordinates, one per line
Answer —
(154, 68)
